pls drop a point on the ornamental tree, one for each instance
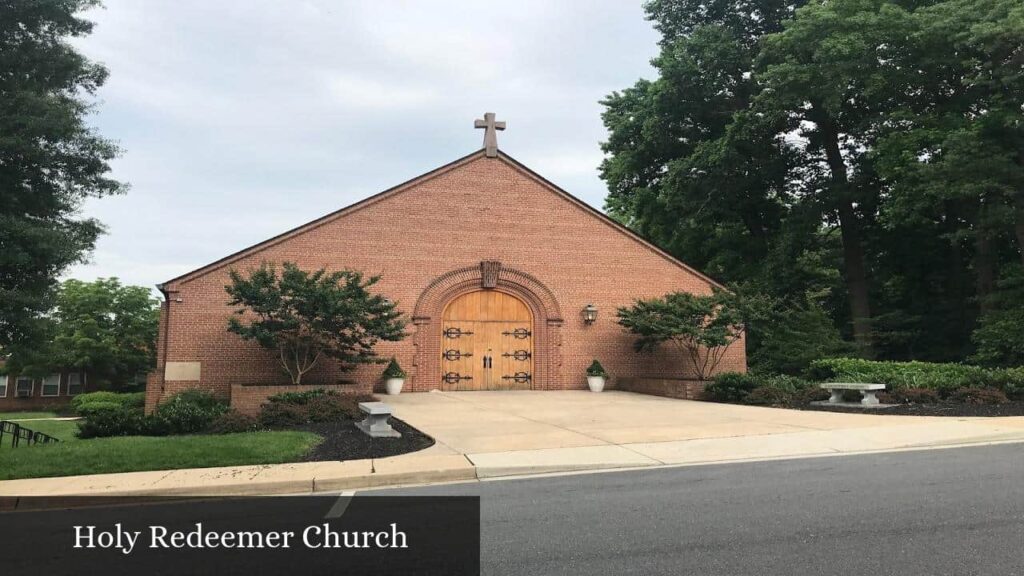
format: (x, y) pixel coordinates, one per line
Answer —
(702, 326)
(306, 316)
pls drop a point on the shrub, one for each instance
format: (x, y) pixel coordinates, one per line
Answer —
(998, 335)
(115, 422)
(770, 396)
(791, 336)
(1010, 381)
(912, 396)
(91, 409)
(81, 402)
(231, 422)
(900, 375)
(298, 408)
(303, 397)
(595, 369)
(393, 370)
(984, 395)
(282, 415)
(730, 387)
(187, 412)
(810, 394)
(784, 382)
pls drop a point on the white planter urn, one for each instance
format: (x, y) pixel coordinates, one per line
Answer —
(393, 386)
(596, 383)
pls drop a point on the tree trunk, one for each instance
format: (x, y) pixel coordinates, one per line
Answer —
(1018, 224)
(853, 252)
(1018, 213)
(984, 268)
(955, 276)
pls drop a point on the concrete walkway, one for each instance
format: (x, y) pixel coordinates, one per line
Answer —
(491, 434)
(508, 433)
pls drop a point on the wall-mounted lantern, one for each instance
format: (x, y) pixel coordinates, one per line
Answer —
(590, 314)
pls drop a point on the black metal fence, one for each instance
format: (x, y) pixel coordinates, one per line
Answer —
(21, 434)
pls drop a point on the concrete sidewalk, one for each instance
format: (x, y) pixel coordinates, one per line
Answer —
(513, 433)
(493, 434)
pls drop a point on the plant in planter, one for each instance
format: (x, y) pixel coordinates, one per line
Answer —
(596, 376)
(394, 378)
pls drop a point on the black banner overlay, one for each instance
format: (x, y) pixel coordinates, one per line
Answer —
(305, 535)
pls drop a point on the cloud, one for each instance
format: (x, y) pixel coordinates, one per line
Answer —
(240, 120)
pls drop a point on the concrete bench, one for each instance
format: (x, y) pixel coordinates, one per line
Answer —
(376, 423)
(867, 391)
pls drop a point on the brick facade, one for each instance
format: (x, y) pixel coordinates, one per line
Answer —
(10, 401)
(427, 239)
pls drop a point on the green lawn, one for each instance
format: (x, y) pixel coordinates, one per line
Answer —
(135, 453)
(63, 430)
(25, 415)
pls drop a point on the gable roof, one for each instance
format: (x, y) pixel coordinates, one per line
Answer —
(395, 190)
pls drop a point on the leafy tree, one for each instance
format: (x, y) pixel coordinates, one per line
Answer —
(858, 161)
(998, 337)
(690, 166)
(702, 326)
(305, 316)
(102, 328)
(106, 329)
(50, 160)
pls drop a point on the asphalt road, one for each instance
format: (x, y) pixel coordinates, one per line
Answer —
(955, 511)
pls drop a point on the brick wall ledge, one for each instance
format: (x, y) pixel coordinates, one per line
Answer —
(248, 398)
(681, 388)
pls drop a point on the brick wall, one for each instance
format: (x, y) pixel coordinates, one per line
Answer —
(248, 399)
(12, 403)
(668, 387)
(476, 209)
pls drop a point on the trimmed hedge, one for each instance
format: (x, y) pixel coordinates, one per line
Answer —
(85, 402)
(899, 375)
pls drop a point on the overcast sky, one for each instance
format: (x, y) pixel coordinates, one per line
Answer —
(240, 120)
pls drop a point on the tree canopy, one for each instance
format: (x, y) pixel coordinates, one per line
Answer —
(103, 328)
(304, 317)
(860, 162)
(702, 326)
(50, 159)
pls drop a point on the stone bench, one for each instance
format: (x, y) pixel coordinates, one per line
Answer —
(867, 391)
(376, 423)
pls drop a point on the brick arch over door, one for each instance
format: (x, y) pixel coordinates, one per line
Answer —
(429, 309)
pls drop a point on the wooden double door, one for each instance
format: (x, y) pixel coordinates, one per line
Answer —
(487, 343)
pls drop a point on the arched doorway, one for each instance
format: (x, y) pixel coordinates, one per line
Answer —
(487, 342)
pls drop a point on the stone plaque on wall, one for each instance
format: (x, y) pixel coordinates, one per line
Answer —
(182, 371)
(489, 270)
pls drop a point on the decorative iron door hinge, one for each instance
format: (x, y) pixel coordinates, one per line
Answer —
(455, 333)
(453, 355)
(518, 333)
(518, 377)
(454, 377)
(520, 355)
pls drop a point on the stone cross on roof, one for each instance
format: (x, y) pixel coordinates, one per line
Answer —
(490, 133)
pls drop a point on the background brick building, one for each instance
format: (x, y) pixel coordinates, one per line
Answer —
(483, 222)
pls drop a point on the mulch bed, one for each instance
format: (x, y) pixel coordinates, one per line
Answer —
(343, 441)
(940, 409)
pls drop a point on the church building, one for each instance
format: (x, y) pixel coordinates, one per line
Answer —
(483, 256)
